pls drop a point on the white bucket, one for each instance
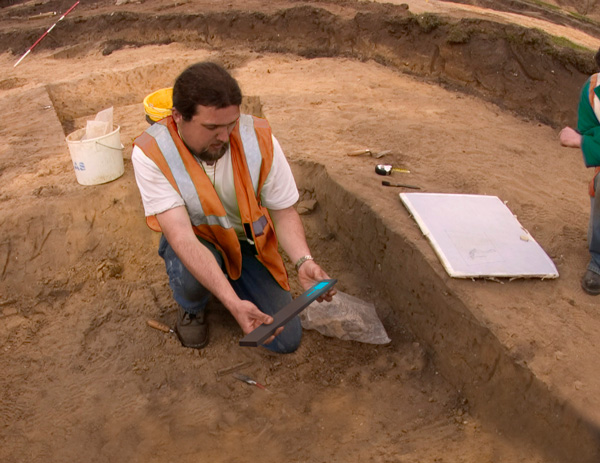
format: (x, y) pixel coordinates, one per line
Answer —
(96, 160)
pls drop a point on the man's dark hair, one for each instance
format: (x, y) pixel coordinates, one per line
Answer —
(205, 84)
(597, 58)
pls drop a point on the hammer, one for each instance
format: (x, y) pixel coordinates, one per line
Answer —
(386, 169)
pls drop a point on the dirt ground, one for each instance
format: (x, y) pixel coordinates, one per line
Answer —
(85, 379)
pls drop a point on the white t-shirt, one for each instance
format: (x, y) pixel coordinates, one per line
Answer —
(158, 195)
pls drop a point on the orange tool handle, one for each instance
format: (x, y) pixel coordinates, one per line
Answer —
(159, 326)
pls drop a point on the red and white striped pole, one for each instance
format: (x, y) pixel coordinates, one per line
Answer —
(45, 34)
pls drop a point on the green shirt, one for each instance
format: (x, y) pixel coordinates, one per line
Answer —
(589, 127)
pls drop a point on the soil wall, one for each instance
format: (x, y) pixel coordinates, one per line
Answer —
(520, 69)
(464, 349)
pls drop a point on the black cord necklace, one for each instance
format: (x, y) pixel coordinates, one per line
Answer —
(214, 166)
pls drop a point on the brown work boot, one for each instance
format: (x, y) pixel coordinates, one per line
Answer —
(591, 283)
(192, 329)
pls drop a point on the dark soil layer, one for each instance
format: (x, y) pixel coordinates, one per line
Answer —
(539, 78)
(581, 14)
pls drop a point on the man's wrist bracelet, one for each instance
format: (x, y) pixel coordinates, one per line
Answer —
(302, 260)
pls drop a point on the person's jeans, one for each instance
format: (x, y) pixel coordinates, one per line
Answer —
(594, 229)
(256, 284)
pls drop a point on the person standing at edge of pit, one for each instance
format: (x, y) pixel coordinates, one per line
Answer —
(218, 186)
(587, 137)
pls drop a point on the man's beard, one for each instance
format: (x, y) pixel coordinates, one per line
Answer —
(211, 156)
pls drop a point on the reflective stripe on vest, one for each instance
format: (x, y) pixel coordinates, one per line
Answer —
(251, 148)
(253, 161)
(182, 177)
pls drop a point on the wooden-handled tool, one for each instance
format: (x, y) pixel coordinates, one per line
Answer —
(160, 326)
(376, 155)
(402, 185)
(249, 380)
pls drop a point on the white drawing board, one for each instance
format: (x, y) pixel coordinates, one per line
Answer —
(478, 236)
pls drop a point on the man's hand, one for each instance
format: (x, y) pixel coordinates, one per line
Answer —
(570, 138)
(176, 226)
(310, 274)
(249, 317)
(290, 233)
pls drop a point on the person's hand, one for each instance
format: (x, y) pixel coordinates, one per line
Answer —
(310, 274)
(249, 317)
(570, 138)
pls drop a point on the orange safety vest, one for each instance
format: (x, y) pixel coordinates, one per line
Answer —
(250, 143)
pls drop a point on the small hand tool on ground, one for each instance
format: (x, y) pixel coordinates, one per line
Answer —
(376, 155)
(402, 185)
(249, 380)
(386, 169)
(237, 366)
(160, 326)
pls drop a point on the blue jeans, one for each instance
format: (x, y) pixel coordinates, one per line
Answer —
(256, 284)
(594, 229)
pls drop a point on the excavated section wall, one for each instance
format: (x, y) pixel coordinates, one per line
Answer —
(520, 69)
(464, 350)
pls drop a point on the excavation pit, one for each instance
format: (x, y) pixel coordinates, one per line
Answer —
(476, 370)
